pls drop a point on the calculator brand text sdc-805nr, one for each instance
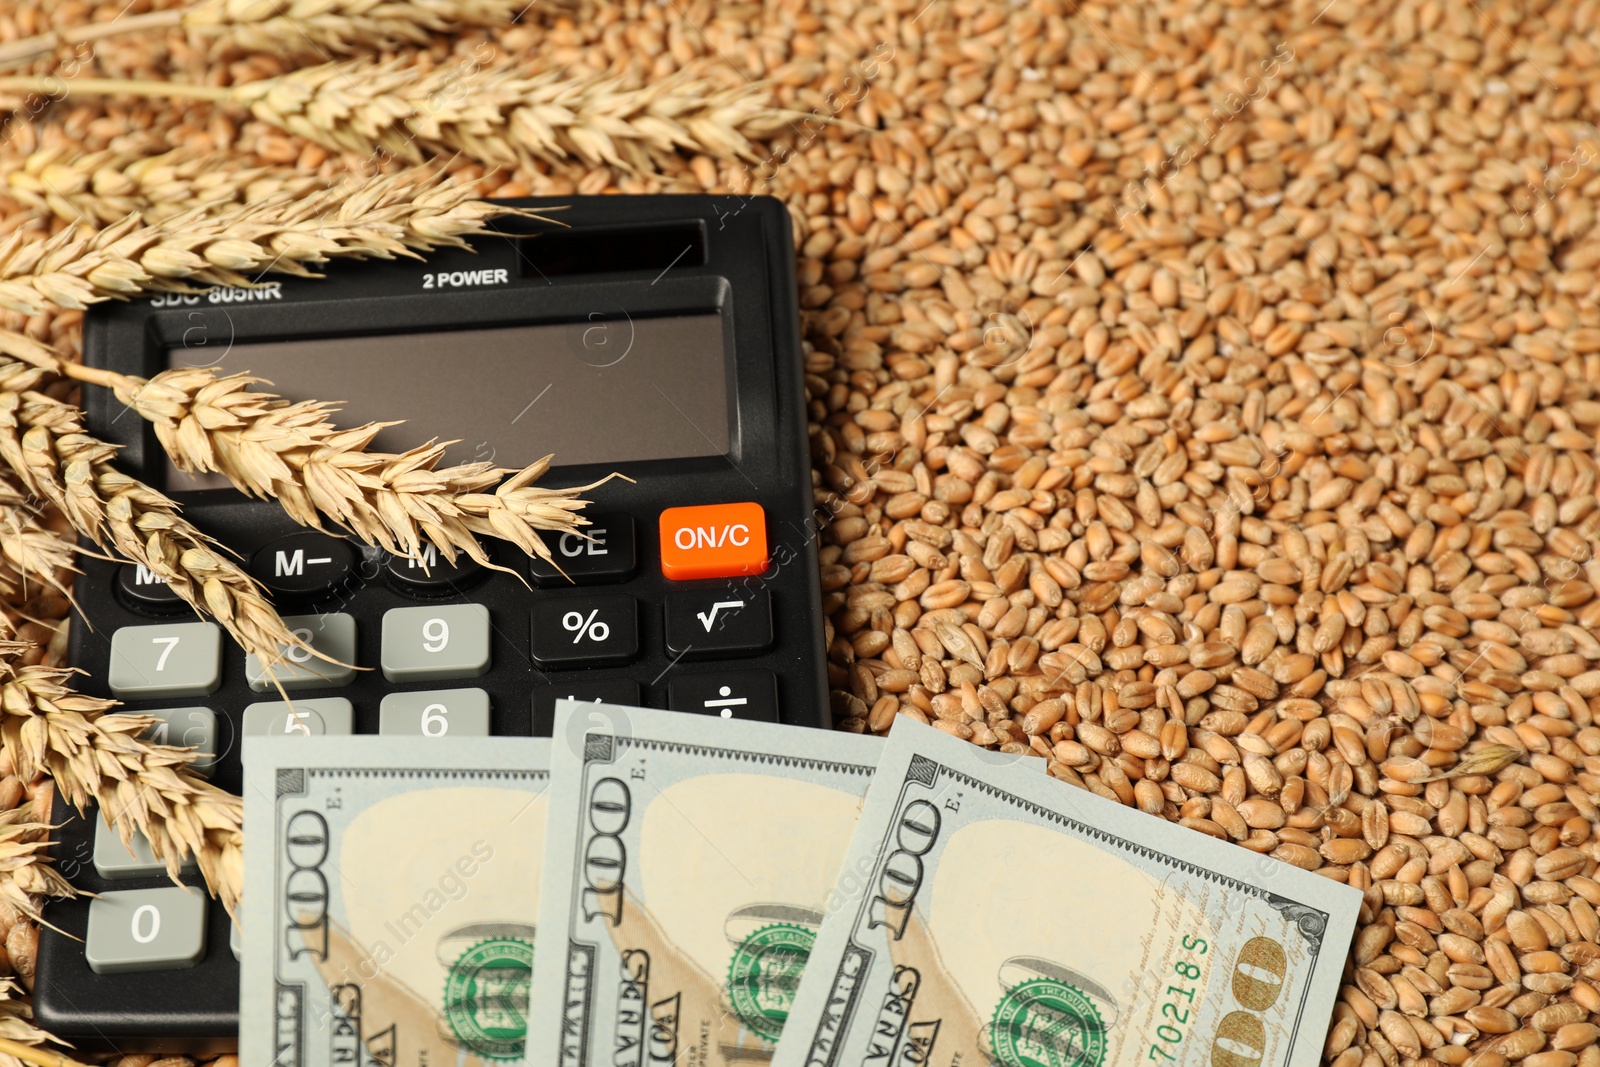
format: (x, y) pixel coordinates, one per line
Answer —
(653, 336)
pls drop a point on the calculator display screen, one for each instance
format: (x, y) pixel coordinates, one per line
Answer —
(601, 391)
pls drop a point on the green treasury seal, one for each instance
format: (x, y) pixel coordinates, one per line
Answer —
(486, 997)
(764, 975)
(1044, 1022)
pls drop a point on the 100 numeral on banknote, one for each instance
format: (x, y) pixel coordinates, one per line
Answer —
(992, 915)
(391, 900)
(689, 868)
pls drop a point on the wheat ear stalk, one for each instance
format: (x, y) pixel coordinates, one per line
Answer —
(291, 27)
(292, 452)
(43, 442)
(392, 215)
(138, 785)
(498, 113)
(28, 49)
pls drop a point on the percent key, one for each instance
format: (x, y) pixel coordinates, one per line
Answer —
(585, 631)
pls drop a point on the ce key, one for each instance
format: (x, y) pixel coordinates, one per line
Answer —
(599, 552)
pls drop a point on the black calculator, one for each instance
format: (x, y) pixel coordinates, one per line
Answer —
(657, 337)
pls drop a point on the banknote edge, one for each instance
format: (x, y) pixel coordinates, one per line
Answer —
(289, 781)
(610, 753)
(418, 772)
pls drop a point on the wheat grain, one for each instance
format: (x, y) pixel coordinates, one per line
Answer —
(496, 112)
(391, 215)
(268, 447)
(43, 442)
(23, 18)
(1488, 760)
(292, 27)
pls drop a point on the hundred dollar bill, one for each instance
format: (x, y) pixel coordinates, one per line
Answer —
(988, 914)
(391, 891)
(688, 866)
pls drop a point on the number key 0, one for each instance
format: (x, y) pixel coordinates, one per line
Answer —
(430, 643)
(146, 930)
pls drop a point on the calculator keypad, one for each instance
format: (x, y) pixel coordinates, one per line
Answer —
(155, 929)
(332, 635)
(433, 643)
(146, 930)
(602, 551)
(324, 715)
(436, 713)
(582, 631)
(711, 623)
(113, 859)
(182, 659)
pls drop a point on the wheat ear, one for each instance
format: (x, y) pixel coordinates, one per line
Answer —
(28, 549)
(19, 1038)
(392, 215)
(153, 182)
(25, 870)
(292, 452)
(498, 113)
(292, 27)
(138, 785)
(18, 1046)
(43, 442)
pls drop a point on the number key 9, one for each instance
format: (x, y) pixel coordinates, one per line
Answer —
(430, 643)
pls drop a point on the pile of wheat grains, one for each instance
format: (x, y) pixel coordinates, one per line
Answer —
(1205, 399)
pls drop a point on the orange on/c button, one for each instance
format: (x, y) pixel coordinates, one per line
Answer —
(713, 541)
